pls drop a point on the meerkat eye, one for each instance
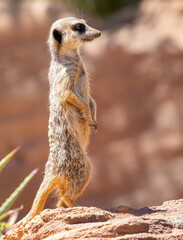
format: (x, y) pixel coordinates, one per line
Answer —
(79, 27)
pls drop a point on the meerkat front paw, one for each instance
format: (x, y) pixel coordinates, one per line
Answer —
(93, 124)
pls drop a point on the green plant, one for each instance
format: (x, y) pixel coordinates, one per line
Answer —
(101, 8)
(4, 208)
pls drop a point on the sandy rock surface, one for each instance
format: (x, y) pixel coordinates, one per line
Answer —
(158, 222)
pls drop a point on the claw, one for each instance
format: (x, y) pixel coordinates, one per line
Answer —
(93, 125)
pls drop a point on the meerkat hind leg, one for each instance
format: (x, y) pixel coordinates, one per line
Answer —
(60, 194)
(61, 203)
(69, 202)
(46, 187)
(38, 204)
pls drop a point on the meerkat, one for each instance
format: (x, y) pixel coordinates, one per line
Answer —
(72, 114)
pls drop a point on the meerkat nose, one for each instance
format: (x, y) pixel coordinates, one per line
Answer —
(98, 34)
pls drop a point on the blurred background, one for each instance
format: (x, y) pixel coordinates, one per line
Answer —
(136, 72)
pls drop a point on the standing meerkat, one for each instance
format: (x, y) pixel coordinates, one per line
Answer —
(72, 114)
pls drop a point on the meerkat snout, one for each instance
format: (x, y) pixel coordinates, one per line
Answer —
(91, 34)
(70, 33)
(98, 34)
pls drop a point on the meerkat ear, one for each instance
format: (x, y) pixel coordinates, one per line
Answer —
(57, 35)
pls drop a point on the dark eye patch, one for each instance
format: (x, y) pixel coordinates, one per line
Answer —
(79, 27)
(57, 35)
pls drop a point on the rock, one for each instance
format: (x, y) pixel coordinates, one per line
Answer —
(155, 28)
(150, 223)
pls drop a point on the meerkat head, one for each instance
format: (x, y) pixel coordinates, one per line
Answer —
(68, 34)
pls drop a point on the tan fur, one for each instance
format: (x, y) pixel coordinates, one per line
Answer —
(72, 114)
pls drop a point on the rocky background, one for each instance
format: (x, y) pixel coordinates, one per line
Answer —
(136, 71)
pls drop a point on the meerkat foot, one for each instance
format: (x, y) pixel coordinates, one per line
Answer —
(69, 203)
(61, 204)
